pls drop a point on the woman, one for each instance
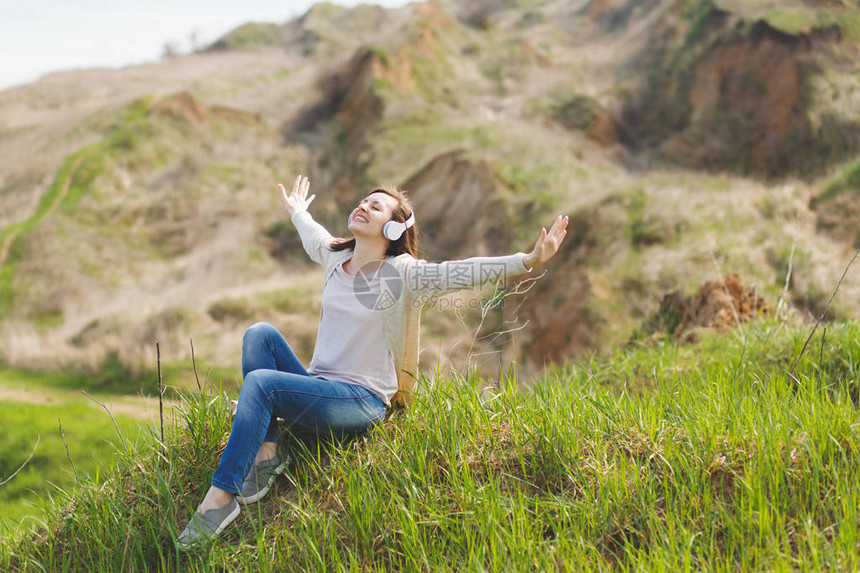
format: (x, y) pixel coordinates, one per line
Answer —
(366, 350)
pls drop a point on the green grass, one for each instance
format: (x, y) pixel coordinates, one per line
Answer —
(113, 377)
(48, 198)
(90, 435)
(31, 405)
(250, 35)
(15, 231)
(420, 137)
(662, 457)
(804, 21)
(528, 190)
(847, 181)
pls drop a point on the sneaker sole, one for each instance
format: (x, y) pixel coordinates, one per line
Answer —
(264, 490)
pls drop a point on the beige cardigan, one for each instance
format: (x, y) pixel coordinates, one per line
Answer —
(422, 282)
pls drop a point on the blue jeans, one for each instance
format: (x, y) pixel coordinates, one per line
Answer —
(276, 384)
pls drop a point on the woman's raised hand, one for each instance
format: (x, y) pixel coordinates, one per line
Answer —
(548, 243)
(298, 200)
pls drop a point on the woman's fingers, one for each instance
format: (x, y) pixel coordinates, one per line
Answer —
(300, 187)
(548, 242)
(298, 198)
(540, 239)
(284, 196)
(559, 228)
(559, 224)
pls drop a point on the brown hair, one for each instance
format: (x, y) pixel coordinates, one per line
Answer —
(408, 241)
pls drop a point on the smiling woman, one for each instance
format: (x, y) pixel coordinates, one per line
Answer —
(388, 209)
(366, 354)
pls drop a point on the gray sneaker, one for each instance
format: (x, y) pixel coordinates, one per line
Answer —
(203, 527)
(260, 479)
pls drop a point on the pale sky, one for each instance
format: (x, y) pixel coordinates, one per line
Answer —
(41, 36)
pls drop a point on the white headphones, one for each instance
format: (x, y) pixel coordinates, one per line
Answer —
(392, 230)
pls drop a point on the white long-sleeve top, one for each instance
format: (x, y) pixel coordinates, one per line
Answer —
(421, 282)
(351, 343)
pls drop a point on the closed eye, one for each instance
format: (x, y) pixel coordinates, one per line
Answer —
(376, 205)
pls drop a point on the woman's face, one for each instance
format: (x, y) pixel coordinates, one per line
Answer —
(372, 213)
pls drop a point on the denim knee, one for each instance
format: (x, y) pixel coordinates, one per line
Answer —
(253, 386)
(260, 329)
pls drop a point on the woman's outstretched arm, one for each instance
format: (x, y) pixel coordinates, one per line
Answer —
(426, 280)
(315, 238)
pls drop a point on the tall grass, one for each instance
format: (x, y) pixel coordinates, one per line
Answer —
(667, 458)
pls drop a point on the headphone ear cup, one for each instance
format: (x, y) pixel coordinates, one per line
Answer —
(392, 230)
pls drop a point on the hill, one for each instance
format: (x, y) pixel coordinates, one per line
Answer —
(686, 139)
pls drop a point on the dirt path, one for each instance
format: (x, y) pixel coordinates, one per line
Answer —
(7, 243)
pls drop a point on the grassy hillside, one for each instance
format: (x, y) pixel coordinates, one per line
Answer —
(664, 457)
